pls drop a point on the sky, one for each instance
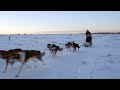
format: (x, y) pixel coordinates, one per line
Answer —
(58, 21)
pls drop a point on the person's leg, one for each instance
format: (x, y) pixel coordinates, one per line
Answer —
(91, 43)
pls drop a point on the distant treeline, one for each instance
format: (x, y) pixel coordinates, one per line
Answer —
(107, 33)
(104, 33)
(69, 34)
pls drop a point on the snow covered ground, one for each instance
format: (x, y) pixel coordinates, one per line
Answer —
(101, 61)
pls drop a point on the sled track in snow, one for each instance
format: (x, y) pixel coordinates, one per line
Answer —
(92, 73)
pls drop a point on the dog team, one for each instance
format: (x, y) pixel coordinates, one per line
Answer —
(18, 55)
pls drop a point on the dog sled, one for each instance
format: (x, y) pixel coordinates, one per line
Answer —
(87, 44)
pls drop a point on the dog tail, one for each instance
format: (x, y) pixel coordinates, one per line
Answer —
(61, 49)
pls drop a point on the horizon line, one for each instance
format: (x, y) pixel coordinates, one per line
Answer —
(54, 33)
(63, 32)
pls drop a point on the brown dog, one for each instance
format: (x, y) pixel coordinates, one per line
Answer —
(21, 56)
(75, 45)
(68, 45)
(54, 49)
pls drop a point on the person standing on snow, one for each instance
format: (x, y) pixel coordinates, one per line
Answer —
(88, 39)
(9, 37)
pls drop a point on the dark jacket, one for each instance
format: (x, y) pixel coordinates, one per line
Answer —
(89, 39)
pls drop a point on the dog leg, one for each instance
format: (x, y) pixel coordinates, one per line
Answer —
(67, 49)
(54, 56)
(20, 69)
(43, 62)
(12, 64)
(70, 49)
(7, 62)
(52, 53)
(73, 49)
(22, 60)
